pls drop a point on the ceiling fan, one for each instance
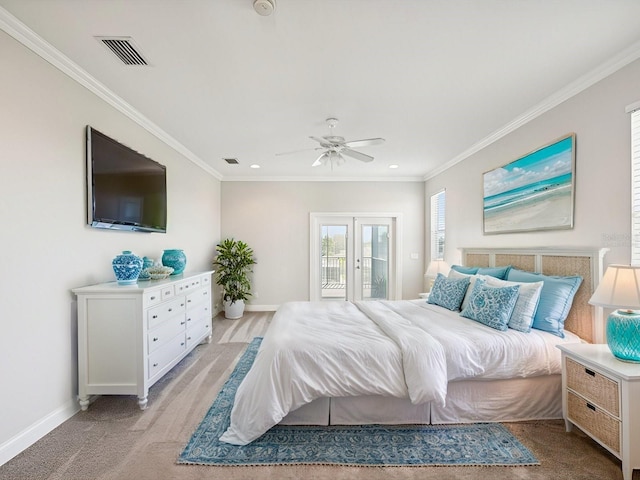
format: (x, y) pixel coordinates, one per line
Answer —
(334, 147)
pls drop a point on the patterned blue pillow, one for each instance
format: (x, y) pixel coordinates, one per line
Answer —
(448, 292)
(491, 306)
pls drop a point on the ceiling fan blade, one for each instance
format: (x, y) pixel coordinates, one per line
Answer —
(322, 141)
(319, 161)
(364, 143)
(357, 155)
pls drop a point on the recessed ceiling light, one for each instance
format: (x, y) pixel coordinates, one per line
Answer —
(255, 165)
(393, 166)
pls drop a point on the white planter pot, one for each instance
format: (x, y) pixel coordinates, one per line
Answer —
(233, 310)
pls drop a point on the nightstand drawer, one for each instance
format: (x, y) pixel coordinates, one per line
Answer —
(601, 390)
(595, 422)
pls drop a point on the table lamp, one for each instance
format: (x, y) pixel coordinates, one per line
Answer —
(620, 289)
(434, 268)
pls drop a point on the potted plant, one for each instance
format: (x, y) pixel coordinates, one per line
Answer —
(233, 264)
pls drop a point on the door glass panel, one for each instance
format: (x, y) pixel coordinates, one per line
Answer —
(374, 262)
(333, 268)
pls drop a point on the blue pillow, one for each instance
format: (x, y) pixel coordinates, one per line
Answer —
(491, 306)
(448, 292)
(465, 270)
(498, 272)
(555, 301)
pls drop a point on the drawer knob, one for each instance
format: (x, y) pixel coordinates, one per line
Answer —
(591, 407)
(155, 364)
(182, 344)
(155, 316)
(153, 298)
(182, 323)
(155, 339)
(171, 309)
(589, 372)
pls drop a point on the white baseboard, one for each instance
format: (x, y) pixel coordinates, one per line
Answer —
(36, 431)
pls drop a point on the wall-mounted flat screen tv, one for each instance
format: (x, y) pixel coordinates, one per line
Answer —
(125, 189)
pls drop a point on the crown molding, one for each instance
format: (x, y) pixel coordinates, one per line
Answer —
(23, 34)
(322, 179)
(622, 59)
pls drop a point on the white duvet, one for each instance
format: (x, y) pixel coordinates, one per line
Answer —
(406, 349)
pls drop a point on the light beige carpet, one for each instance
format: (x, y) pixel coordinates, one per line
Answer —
(115, 440)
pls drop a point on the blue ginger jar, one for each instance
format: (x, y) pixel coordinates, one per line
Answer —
(146, 263)
(127, 267)
(176, 259)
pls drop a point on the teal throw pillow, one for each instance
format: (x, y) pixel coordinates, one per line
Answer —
(448, 292)
(491, 306)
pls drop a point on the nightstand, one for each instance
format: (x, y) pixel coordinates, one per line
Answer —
(600, 395)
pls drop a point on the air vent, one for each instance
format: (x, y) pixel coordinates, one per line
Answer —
(232, 161)
(125, 49)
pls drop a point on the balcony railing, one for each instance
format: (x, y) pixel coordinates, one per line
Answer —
(334, 271)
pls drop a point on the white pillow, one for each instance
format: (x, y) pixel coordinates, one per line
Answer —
(472, 280)
(526, 305)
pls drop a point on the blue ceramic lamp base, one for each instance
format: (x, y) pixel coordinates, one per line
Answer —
(623, 335)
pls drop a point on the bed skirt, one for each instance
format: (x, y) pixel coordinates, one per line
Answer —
(470, 401)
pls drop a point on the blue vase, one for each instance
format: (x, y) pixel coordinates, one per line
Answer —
(127, 267)
(146, 263)
(176, 259)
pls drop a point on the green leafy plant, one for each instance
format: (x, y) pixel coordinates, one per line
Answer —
(233, 265)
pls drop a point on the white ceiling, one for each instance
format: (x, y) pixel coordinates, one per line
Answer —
(436, 78)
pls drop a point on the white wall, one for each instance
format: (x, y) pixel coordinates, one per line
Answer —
(46, 247)
(602, 203)
(273, 218)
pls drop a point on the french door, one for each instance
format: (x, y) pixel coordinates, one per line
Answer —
(353, 257)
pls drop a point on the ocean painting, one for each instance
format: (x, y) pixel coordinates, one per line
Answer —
(534, 192)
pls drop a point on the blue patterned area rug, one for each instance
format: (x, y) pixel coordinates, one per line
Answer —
(374, 445)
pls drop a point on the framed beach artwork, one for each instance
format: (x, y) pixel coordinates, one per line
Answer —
(533, 192)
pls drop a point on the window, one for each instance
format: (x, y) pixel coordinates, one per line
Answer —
(635, 182)
(437, 225)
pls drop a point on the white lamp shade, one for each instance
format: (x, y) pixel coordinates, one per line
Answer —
(619, 288)
(436, 267)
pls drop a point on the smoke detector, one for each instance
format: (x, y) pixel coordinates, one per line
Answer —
(264, 7)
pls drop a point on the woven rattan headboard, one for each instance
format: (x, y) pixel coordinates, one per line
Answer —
(584, 320)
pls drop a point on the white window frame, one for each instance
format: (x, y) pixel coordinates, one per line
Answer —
(634, 110)
(437, 224)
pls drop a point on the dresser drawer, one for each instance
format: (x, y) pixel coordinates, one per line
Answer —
(595, 421)
(168, 292)
(166, 354)
(198, 313)
(157, 337)
(198, 296)
(595, 387)
(153, 297)
(187, 286)
(164, 311)
(197, 332)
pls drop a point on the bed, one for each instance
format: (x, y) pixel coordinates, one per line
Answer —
(414, 362)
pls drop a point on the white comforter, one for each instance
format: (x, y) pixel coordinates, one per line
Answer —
(406, 349)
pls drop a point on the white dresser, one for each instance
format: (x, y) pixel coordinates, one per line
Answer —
(129, 336)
